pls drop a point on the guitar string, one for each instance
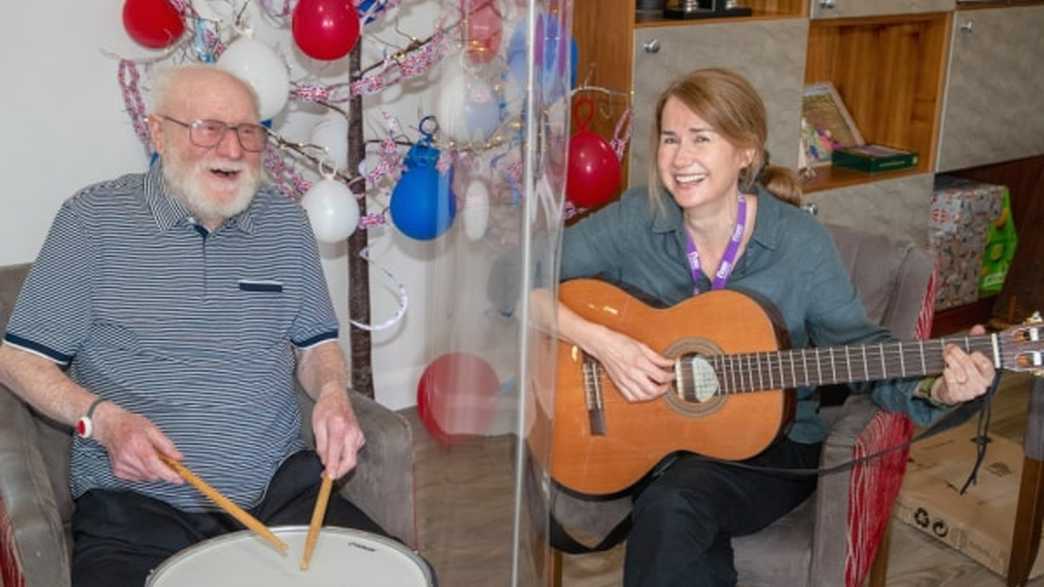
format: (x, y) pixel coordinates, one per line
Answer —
(892, 357)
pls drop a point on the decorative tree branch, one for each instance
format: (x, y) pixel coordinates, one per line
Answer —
(358, 268)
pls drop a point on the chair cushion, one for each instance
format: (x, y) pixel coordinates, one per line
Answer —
(873, 264)
(11, 278)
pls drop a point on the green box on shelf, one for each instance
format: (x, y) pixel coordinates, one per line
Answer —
(873, 158)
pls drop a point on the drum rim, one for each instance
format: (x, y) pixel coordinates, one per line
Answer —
(237, 534)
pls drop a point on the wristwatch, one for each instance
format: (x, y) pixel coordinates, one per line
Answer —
(85, 425)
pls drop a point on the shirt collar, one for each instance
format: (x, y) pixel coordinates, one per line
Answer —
(168, 211)
(766, 223)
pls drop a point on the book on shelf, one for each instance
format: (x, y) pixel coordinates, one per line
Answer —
(825, 124)
(873, 158)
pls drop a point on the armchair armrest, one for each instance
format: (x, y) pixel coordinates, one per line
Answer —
(855, 504)
(832, 498)
(382, 483)
(33, 545)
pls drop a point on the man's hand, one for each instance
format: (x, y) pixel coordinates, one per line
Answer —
(966, 376)
(338, 437)
(133, 443)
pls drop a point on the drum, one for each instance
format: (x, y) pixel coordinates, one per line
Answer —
(341, 557)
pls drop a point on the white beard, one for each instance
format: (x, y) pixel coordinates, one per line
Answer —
(185, 181)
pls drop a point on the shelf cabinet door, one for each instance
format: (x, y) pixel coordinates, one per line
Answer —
(993, 106)
(771, 54)
(854, 8)
(897, 207)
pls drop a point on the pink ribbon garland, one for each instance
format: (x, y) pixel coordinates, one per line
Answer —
(391, 71)
(621, 134)
(388, 160)
(290, 182)
(132, 99)
(371, 220)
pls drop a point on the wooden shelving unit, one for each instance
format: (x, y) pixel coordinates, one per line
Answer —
(605, 33)
(889, 70)
(831, 178)
(925, 75)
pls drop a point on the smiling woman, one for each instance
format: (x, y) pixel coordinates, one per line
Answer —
(717, 216)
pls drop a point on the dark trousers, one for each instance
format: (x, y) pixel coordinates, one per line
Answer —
(120, 536)
(684, 521)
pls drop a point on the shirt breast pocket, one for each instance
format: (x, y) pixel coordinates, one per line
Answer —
(264, 309)
(261, 286)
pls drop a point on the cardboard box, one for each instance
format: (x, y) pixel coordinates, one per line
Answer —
(978, 523)
(962, 212)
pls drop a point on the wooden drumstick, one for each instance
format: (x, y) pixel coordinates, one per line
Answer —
(317, 521)
(226, 504)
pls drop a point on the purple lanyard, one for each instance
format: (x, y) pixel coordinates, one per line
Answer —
(728, 260)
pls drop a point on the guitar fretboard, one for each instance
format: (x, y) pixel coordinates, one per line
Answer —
(748, 372)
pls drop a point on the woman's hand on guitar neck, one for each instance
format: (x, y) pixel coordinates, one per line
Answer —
(966, 376)
(638, 372)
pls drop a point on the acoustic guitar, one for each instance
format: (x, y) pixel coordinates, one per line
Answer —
(733, 389)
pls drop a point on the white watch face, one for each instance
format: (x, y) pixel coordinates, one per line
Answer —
(84, 427)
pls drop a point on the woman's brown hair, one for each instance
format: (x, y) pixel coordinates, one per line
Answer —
(733, 108)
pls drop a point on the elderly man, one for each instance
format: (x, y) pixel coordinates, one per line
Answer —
(182, 300)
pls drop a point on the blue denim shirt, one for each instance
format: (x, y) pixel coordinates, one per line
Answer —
(790, 261)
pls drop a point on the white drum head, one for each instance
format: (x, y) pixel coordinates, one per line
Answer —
(342, 557)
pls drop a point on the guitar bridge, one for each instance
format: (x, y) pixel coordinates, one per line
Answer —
(593, 396)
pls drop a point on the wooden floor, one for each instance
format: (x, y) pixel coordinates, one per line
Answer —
(465, 503)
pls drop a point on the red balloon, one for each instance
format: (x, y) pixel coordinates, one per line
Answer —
(325, 29)
(593, 175)
(456, 396)
(152, 23)
(484, 30)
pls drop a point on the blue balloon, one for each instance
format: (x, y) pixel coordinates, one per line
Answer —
(423, 204)
(366, 4)
(551, 53)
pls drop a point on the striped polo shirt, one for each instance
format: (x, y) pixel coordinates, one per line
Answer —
(194, 330)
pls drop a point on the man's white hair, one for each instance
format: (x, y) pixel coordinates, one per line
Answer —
(164, 79)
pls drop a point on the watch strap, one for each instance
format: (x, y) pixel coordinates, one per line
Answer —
(85, 425)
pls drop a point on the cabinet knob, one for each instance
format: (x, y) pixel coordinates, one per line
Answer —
(966, 27)
(827, 4)
(651, 46)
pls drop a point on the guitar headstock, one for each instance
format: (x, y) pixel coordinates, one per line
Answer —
(1022, 347)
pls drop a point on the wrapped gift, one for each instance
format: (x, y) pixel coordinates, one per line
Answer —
(1001, 241)
(962, 212)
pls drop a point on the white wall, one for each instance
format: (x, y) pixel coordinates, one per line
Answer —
(65, 127)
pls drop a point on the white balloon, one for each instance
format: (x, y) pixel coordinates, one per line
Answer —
(467, 106)
(476, 210)
(332, 133)
(258, 65)
(332, 210)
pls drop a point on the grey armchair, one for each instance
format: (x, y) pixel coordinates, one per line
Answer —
(832, 538)
(35, 506)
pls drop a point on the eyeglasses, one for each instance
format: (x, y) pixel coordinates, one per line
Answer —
(208, 133)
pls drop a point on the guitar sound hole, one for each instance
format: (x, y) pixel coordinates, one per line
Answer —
(704, 399)
(704, 380)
